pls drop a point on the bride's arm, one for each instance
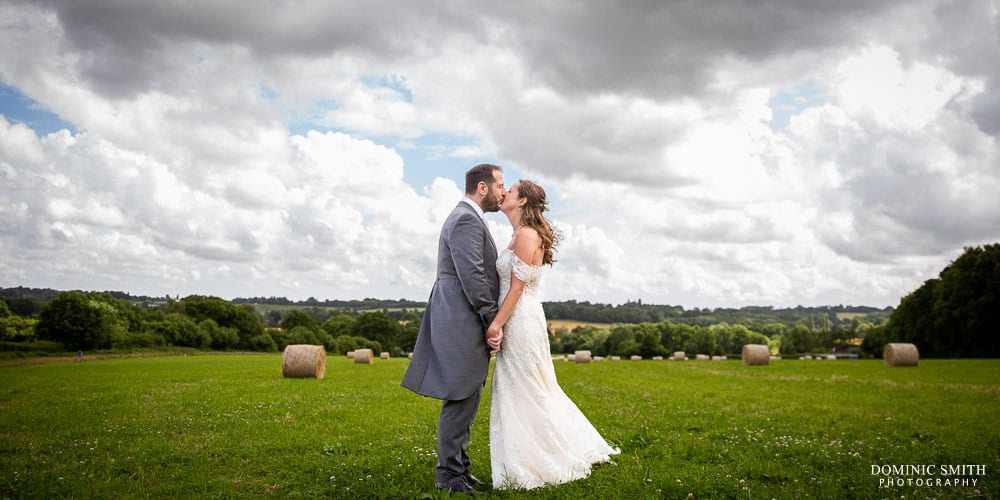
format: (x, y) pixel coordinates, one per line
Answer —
(526, 244)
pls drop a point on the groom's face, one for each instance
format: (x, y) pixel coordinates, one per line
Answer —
(494, 193)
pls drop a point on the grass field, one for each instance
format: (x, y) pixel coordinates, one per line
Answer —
(230, 426)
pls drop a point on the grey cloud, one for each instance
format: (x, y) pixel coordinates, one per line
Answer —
(663, 49)
(648, 48)
(128, 47)
(900, 202)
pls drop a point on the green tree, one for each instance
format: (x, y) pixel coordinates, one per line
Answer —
(223, 338)
(702, 341)
(379, 327)
(647, 336)
(621, 342)
(956, 314)
(798, 340)
(342, 324)
(82, 321)
(408, 334)
(874, 341)
(298, 318)
(241, 317)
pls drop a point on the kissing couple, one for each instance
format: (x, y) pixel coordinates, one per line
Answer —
(485, 303)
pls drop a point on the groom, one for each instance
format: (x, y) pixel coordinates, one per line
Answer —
(452, 355)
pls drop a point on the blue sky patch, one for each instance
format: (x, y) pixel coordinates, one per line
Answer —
(786, 104)
(19, 108)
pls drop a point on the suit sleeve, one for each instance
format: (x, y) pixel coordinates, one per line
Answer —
(467, 240)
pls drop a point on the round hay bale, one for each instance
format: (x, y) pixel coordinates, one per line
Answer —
(635, 357)
(583, 357)
(350, 354)
(900, 354)
(616, 358)
(756, 354)
(303, 361)
(657, 358)
(679, 356)
(409, 355)
(364, 356)
(702, 357)
(598, 358)
(718, 358)
(383, 355)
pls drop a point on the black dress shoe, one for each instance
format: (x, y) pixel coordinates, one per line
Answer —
(456, 485)
(472, 480)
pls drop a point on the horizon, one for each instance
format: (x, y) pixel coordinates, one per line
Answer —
(637, 301)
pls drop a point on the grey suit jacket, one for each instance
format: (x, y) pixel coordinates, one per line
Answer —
(451, 358)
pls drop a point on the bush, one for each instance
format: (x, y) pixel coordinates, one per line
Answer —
(223, 338)
(17, 329)
(344, 344)
(263, 343)
(38, 346)
(142, 340)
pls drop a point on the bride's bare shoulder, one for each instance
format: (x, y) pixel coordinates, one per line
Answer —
(528, 233)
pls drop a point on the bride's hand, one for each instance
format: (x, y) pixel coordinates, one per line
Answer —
(494, 335)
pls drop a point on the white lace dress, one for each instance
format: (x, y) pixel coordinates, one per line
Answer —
(537, 435)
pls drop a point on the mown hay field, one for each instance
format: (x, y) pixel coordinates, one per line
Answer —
(231, 426)
(570, 324)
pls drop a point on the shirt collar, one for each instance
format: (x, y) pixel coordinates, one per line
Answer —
(478, 209)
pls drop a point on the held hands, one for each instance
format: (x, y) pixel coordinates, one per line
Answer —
(494, 335)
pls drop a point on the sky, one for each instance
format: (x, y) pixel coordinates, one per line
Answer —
(702, 154)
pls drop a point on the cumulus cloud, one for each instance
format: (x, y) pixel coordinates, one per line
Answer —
(244, 148)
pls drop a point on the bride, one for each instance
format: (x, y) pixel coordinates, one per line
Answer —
(537, 435)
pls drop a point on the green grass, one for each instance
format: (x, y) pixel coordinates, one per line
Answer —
(231, 426)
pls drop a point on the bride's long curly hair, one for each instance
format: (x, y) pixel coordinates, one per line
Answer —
(531, 216)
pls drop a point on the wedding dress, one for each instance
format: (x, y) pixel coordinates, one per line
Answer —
(537, 434)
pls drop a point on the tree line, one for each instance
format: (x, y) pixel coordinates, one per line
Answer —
(956, 314)
(76, 320)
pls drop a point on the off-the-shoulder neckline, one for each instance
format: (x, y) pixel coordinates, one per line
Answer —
(511, 250)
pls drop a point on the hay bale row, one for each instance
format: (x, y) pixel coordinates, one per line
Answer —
(900, 354)
(756, 354)
(719, 358)
(303, 361)
(701, 357)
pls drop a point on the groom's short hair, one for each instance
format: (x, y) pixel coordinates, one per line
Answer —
(480, 173)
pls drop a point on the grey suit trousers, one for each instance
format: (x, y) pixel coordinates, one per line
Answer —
(454, 427)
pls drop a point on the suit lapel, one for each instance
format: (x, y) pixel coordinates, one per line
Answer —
(481, 220)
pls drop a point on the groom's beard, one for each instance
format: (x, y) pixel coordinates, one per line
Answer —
(490, 203)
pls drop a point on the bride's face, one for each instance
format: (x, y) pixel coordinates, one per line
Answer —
(512, 200)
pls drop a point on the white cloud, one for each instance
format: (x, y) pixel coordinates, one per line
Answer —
(194, 169)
